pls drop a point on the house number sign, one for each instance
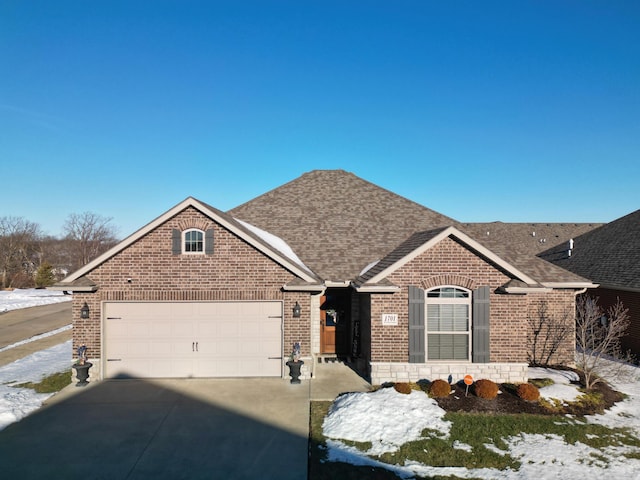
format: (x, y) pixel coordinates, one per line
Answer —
(389, 319)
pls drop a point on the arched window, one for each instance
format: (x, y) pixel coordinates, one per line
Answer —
(193, 241)
(448, 324)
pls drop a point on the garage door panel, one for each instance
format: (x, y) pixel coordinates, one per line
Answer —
(229, 349)
(160, 329)
(159, 339)
(161, 347)
(207, 329)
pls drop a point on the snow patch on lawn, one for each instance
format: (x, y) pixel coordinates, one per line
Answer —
(29, 297)
(563, 389)
(389, 419)
(16, 403)
(385, 418)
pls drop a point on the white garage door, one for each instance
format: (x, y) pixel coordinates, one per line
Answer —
(193, 339)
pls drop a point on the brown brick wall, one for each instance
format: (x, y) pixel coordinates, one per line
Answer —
(449, 263)
(235, 271)
(560, 305)
(631, 301)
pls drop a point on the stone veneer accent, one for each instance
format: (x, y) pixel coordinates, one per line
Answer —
(382, 372)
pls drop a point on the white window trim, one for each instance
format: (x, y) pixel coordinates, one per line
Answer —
(184, 241)
(448, 301)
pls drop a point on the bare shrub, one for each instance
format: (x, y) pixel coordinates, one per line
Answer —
(598, 333)
(548, 334)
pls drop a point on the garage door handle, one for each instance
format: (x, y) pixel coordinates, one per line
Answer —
(196, 346)
(275, 358)
(114, 359)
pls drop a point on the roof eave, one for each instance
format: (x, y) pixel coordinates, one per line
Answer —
(376, 288)
(312, 287)
(525, 290)
(74, 288)
(557, 285)
(622, 288)
(337, 284)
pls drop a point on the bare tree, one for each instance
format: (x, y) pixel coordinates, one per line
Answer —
(58, 253)
(549, 333)
(598, 335)
(18, 250)
(91, 235)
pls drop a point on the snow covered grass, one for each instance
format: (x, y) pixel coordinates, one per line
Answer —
(29, 297)
(16, 403)
(409, 436)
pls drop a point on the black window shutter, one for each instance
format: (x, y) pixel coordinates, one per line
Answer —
(416, 325)
(208, 241)
(176, 242)
(481, 345)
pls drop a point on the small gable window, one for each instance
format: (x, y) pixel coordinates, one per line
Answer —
(193, 241)
(448, 324)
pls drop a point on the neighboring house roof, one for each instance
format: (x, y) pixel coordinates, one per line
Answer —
(271, 246)
(529, 238)
(336, 222)
(608, 255)
(520, 243)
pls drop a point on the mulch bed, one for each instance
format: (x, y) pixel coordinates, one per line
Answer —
(507, 402)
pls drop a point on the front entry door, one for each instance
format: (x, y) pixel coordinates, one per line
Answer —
(327, 330)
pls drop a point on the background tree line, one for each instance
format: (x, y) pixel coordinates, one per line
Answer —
(29, 258)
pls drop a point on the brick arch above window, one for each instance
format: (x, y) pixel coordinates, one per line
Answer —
(451, 279)
(189, 224)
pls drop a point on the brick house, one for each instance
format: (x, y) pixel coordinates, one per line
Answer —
(610, 257)
(344, 267)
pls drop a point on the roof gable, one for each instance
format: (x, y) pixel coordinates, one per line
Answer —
(253, 237)
(423, 241)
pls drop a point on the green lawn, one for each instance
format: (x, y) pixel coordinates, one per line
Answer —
(51, 384)
(472, 432)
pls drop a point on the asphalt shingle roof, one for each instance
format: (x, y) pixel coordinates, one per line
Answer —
(608, 255)
(338, 223)
(520, 243)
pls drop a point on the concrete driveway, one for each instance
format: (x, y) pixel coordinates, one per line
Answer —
(174, 429)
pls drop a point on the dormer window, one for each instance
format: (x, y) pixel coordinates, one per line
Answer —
(193, 241)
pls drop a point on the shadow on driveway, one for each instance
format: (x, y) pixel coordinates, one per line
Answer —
(174, 429)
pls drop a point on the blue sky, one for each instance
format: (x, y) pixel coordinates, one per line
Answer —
(483, 111)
